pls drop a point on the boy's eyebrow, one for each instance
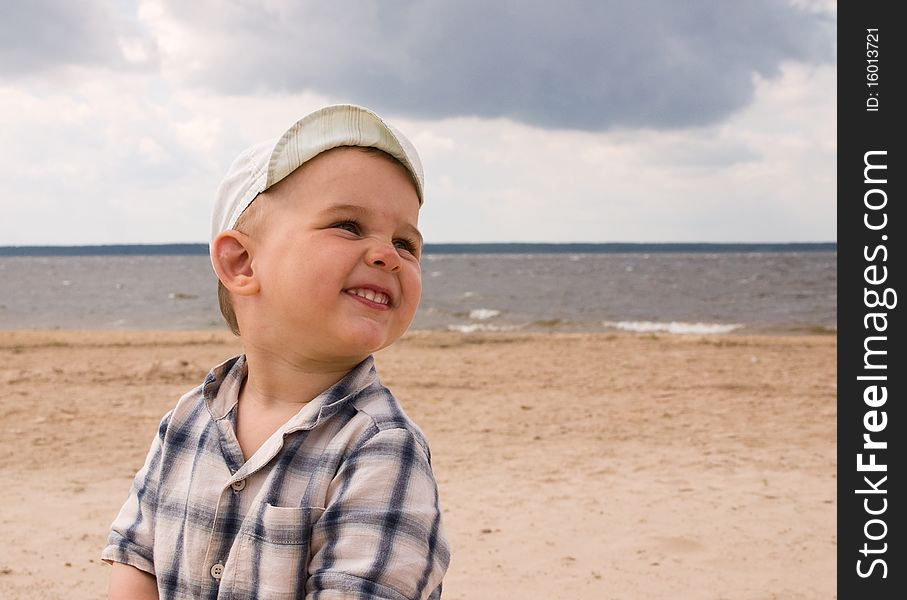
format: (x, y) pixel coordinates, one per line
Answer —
(361, 210)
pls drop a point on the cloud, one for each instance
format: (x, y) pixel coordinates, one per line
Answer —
(118, 129)
(765, 174)
(112, 158)
(44, 36)
(99, 163)
(575, 64)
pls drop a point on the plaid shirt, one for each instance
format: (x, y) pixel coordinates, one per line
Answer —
(339, 503)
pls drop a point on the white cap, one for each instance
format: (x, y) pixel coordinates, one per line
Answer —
(263, 165)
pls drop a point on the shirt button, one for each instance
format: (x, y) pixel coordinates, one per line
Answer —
(217, 570)
(238, 485)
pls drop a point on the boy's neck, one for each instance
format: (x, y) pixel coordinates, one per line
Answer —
(276, 388)
(275, 380)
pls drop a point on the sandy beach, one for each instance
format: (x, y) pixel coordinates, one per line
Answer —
(570, 465)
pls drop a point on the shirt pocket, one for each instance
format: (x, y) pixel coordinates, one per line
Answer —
(271, 556)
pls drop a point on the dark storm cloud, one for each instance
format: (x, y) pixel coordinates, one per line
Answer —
(580, 64)
(39, 36)
(570, 64)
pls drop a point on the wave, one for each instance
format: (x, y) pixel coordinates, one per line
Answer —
(483, 314)
(678, 327)
(473, 327)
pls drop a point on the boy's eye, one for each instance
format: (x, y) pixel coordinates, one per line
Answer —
(404, 244)
(408, 245)
(351, 226)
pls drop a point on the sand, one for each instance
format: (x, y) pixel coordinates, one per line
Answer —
(570, 465)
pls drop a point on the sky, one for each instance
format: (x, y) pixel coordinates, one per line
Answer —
(536, 121)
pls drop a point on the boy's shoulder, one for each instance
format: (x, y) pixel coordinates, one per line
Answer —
(384, 411)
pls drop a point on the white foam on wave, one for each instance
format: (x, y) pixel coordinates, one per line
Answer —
(673, 327)
(483, 314)
(473, 327)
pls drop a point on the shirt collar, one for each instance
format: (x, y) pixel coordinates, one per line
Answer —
(222, 385)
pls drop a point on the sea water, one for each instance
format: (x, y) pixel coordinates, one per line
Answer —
(659, 292)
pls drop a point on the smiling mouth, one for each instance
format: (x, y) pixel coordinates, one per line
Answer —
(370, 295)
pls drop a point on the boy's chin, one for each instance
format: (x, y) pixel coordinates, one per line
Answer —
(364, 340)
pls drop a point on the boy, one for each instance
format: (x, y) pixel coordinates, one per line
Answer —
(291, 471)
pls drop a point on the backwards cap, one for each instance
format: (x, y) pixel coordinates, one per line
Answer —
(260, 167)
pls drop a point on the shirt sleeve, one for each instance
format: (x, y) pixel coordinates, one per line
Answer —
(380, 536)
(131, 537)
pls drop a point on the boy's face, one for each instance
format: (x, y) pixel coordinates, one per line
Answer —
(337, 256)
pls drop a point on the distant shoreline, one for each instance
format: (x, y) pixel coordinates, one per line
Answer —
(486, 248)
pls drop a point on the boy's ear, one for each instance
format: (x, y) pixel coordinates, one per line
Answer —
(232, 259)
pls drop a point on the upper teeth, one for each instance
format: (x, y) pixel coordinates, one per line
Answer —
(370, 295)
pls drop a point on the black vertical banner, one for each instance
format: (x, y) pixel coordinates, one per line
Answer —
(872, 223)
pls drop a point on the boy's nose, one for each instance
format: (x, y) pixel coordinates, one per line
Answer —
(383, 256)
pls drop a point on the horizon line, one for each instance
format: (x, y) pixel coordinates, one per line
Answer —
(196, 248)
